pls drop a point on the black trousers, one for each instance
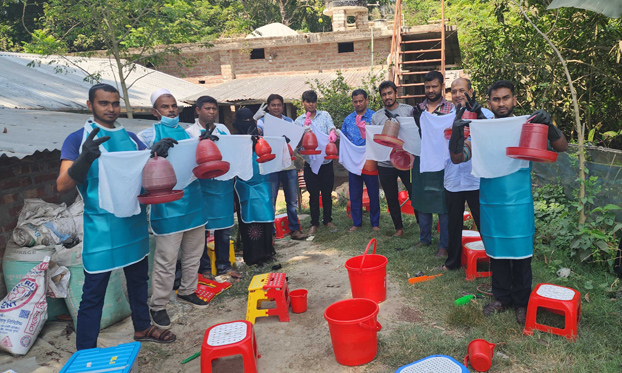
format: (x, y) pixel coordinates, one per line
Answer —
(323, 183)
(455, 209)
(511, 281)
(388, 179)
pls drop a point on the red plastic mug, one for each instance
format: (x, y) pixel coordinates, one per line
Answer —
(480, 354)
(298, 299)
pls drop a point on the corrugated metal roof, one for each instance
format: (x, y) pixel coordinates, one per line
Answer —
(29, 131)
(291, 87)
(41, 87)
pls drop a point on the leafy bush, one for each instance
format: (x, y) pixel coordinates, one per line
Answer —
(557, 225)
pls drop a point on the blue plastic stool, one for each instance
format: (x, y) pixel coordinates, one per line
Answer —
(118, 359)
(434, 364)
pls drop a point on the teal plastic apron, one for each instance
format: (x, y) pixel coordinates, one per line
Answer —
(218, 199)
(110, 242)
(255, 197)
(507, 215)
(428, 190)
(186, 213)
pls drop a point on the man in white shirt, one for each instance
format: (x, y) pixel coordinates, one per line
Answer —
(217, 195)
(460, 185)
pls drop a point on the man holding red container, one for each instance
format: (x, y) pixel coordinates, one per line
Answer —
(506, 204)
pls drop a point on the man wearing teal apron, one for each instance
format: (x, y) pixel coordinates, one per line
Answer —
(177, 224)
(504, 201)
(109, 242)
(217, 194)
(428, 187)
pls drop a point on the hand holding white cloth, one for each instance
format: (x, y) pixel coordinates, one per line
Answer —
(351, 156)
(238, 151)
(282, 159)
(322, 141)
(409, 133)
(489, 139)
(274, 126)
(183, 159)
(120, 181)
(434, 150)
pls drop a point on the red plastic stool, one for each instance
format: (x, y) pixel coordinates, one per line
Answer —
(281, 225)
(366, 204)
(268, 287)
(475, 253)
(468, 236)
(229, 339)
(557, 299)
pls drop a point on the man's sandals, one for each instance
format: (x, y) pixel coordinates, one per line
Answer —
(154, 334)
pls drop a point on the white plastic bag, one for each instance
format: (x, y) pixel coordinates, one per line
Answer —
(24, 311)
(44, 223)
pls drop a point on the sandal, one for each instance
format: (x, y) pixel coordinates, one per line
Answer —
(165, 336)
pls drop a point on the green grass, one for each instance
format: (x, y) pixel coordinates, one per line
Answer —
(447, 329)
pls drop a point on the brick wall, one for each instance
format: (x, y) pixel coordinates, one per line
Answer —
(222, 65)
(31, 177)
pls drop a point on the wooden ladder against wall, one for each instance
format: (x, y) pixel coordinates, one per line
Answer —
(412, 58)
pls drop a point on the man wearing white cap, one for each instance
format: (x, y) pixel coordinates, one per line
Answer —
(175, 224)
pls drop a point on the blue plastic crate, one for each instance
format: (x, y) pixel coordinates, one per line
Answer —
(118, 359)
(434, 364)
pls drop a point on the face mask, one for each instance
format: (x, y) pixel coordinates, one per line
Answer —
(168, 121)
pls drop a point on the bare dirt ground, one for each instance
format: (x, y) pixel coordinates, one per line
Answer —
(301, 345)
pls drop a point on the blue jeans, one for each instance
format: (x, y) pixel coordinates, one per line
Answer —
(93, 293)
(289, 179)
(425, 229)
(356, 198)
(221, 249)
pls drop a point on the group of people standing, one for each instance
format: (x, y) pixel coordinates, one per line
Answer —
(112, 242)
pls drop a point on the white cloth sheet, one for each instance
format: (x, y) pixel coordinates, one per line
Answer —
(274, 126)
(183, 159)
(120, 180)
(434, 150)
(351, 156)
(282, 159)
(238, 151)
(409, 133)
(489, 139)
(322, 141)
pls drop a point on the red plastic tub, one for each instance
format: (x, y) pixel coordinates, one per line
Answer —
(353, 330)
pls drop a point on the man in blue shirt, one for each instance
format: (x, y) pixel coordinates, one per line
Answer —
(324, 180)
(288, 177)
(353, 128)
(109, 242)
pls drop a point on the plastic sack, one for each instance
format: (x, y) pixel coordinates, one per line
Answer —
(17, 261)
(116, 305)
(44, 223)
(57, 280)
(24, 311)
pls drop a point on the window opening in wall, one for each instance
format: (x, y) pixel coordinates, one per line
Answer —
(345, 47)
(258, 54)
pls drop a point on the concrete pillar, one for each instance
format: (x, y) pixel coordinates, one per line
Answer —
(227, 65)
(361, 19)
(339, 20)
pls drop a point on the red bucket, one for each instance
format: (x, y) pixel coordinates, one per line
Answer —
(368, 275)
(353, 330)
(298, 300)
